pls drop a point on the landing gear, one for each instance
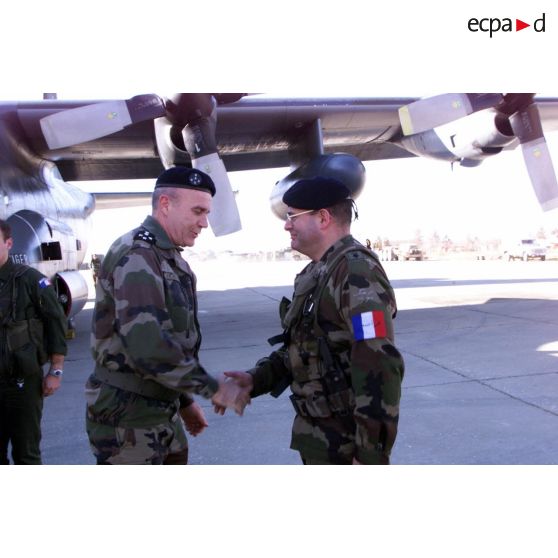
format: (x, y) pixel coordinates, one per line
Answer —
(71, 331)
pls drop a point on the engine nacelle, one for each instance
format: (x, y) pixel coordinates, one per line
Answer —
(52, 248)
(474, 137)
(48, 245)
(72, 291)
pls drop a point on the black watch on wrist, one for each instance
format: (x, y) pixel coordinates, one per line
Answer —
(56, 372)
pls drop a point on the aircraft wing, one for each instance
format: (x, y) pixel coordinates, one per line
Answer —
(139, 137)
(254, 132)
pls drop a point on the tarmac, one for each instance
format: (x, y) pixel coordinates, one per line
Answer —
(479, 339)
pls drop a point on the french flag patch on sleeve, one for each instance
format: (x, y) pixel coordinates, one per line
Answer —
(44, 283)
(369, 325)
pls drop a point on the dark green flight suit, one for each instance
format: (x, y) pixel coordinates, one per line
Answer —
(32, 327)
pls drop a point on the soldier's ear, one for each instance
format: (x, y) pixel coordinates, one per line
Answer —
(9, 243)
(164, 201)
(325, 216)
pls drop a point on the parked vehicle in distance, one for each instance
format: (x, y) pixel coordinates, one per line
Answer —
(410, 252)
(526, 249)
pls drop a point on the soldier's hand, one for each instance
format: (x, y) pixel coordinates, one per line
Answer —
(230, 395)
(194, 419)
(243, 379)
(219, 409)
(51, 384)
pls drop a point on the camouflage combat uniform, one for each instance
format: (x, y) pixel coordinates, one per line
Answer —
(96, 260)
(145, 342)
(32, 327)
(345, 373)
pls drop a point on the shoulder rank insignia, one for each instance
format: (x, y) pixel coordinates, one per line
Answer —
(145, 235)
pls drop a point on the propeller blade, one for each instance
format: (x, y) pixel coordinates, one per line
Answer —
(524, 119)
(78, 125)
(428, 113)
(194, 112)
(197, 112)
(541, 172)
(526, 125)
(224, 217)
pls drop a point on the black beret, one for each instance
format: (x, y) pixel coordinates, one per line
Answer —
(315, 193)
(185, 177)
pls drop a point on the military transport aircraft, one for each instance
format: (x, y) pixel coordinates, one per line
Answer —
(47, 143)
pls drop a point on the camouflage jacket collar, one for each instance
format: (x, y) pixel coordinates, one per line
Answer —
(154, 227)
(342, 244)
(310, 275)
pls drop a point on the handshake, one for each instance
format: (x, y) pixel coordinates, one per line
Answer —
(233, 393)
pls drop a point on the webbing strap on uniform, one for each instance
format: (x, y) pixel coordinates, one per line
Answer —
(334, 381)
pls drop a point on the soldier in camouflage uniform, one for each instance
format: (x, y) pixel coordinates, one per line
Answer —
(32, 332)
(338, 352)
(146, 335)
(96, 260)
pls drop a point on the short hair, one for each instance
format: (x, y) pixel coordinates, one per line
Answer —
(170, 192)
(342, 212)
(6, 229)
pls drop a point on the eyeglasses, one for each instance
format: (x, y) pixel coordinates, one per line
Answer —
(291, 216)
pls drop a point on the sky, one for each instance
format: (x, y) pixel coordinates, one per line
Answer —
(108, 49)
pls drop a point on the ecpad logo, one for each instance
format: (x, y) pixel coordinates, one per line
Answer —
(494, 24)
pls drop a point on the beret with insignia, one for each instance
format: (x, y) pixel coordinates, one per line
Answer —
(316, 193)
(185, 177)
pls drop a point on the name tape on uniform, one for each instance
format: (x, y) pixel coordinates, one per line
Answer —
(369, 325)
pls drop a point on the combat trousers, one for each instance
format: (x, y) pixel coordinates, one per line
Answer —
(21, 410)
(163, 444)
(125, 428)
